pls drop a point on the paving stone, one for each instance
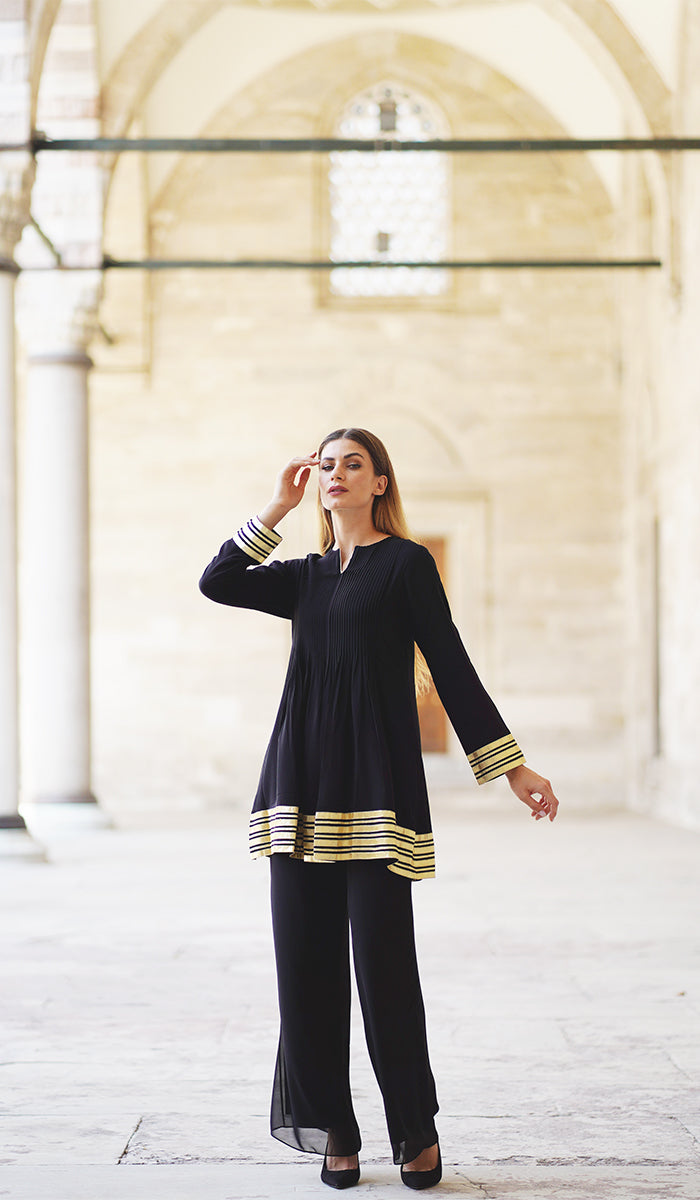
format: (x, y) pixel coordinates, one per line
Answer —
(140, 1025)
(257, 1182)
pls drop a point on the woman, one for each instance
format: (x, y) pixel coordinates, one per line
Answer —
(342, 807)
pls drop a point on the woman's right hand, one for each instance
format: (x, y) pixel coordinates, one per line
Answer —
(289, 488)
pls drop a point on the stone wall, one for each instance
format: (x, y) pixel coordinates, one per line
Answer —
(501, 406)
(671, 481)
(544, 423)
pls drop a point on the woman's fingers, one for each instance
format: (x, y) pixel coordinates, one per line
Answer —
(295, 464)
(293, 477)
(301, 464)
(543, 802)
(550, 802)
(535, 791)
(302, 478)
(535, 805)
(302, 469)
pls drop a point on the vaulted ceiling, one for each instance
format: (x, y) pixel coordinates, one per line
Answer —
(599, 69)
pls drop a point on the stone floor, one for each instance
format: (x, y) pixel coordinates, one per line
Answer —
(561, 969)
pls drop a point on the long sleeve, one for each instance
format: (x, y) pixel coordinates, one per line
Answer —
(488, 743)
(233, 577)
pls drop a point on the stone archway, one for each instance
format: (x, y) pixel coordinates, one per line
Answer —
(607, 37)
(43, 17)
(432, 66)
(608, 41)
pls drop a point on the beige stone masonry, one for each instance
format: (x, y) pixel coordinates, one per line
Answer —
(501, 407)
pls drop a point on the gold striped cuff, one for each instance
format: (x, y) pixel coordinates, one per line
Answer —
(256, 539)
(340, 837)
(495, 759)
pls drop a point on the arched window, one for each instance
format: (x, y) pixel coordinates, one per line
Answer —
(393, 206)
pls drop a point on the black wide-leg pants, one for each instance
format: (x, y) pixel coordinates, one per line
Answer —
(313, 907)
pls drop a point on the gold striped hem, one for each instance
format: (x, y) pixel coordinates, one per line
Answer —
(341, 837)
(256, 539)
(495, 759)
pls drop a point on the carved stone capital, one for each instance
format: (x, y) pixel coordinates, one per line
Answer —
(16, 181)
(58, 314)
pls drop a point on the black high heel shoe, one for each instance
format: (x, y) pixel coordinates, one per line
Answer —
(340, 1179)
(418, 1180)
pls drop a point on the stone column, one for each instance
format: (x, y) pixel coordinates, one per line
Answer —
(59, 313)
(14, 208)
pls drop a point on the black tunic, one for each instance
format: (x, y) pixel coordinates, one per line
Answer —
(343, 775)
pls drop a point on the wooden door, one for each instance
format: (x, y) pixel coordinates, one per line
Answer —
(431, 714)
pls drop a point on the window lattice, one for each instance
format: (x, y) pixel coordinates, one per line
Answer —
(389, 207)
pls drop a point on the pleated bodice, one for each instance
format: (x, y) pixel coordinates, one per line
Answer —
(343, 774)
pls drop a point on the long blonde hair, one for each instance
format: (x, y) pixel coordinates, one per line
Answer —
(387, 513)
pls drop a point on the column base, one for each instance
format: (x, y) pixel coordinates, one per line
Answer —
(53, 816)
(17, 842)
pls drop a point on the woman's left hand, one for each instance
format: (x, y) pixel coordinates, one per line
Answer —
(534, 790)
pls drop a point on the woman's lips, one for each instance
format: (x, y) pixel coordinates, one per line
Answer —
(336, 491)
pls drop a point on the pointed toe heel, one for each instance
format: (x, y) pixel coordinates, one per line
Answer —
(419, 1180)
(339, 1179)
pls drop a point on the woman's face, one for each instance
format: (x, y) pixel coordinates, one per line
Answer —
(346, 478)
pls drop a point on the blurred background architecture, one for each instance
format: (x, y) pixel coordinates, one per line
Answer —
(544, 423)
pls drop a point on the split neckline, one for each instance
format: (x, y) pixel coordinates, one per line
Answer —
(366, 546)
